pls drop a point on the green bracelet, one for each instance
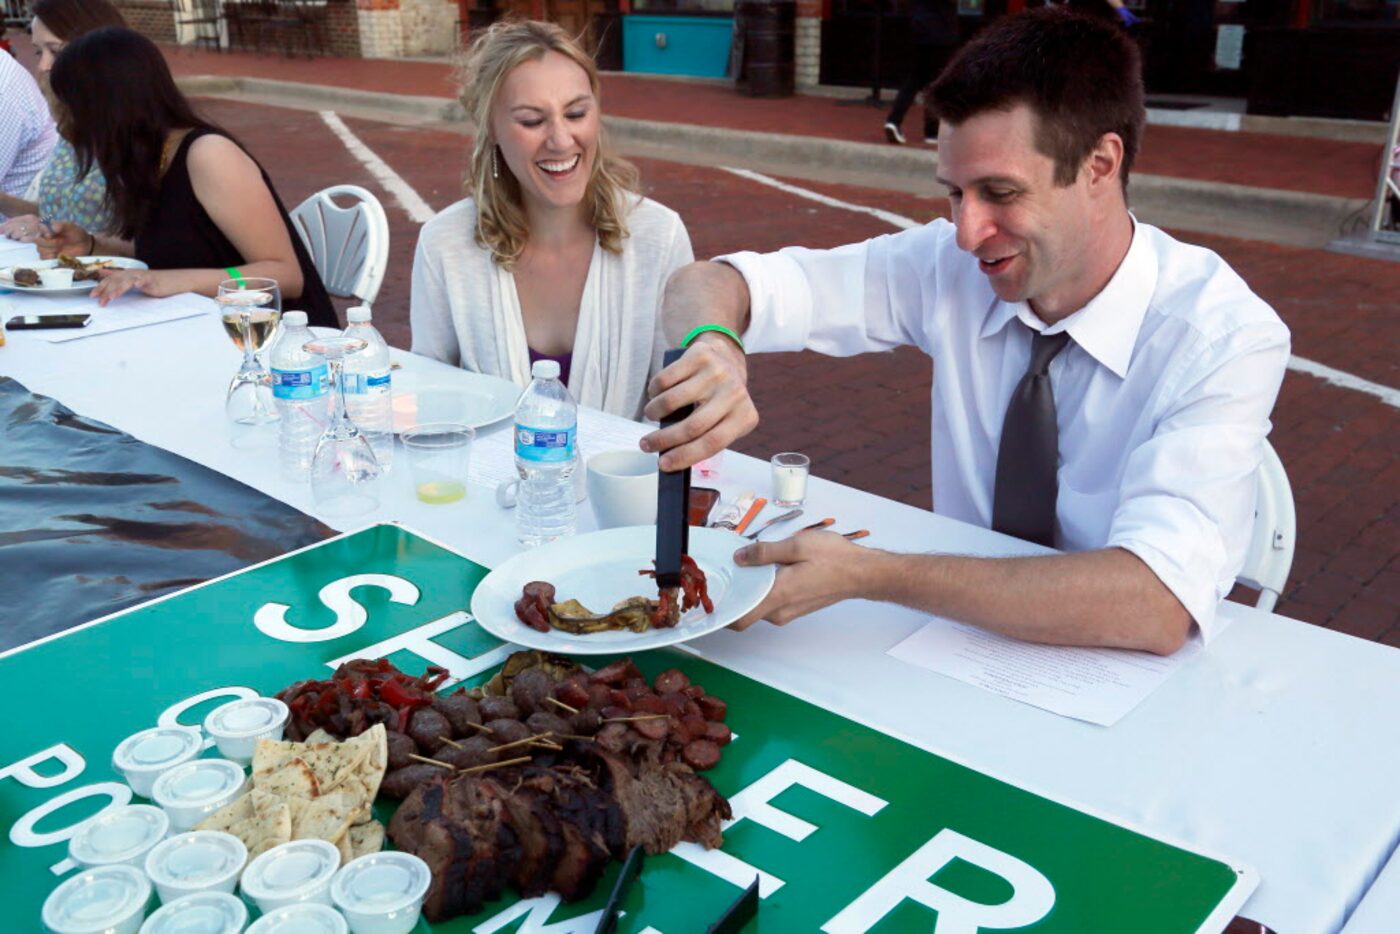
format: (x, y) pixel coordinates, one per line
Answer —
(237, 276)
(718, 328)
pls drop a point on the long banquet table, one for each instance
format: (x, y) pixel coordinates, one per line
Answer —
(1278, 747)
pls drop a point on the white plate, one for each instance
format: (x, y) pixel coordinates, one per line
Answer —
(599, 569)
(472, 399)
(7, 280)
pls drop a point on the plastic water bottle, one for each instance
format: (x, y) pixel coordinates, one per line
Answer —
(546, 435)
(301, 391)
(368, 396)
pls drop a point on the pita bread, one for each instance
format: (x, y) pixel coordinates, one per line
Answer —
(366, 838)
(342, 843)
(292, 779)
(325, 818)
(230, 815)
(259, 819)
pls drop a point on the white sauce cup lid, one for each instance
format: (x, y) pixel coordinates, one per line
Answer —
(246, 717)
(288, 870)
(96, 899)
(198, 859)
(197, 783)
(301, 918)
(119, 834)
(380, 883)
(157, 748)
(201, 913)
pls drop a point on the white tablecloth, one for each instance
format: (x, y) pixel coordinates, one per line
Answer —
(1279, 747)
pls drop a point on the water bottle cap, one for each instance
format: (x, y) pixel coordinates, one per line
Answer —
(294, 319)
(357, 315)
(545, 369)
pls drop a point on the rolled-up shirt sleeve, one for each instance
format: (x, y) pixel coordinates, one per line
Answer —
(1187, 502)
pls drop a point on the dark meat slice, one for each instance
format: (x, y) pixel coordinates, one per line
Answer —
(399, 783)
(544, 722)
(586, 722)
(472, 752)
(26, 277)
(712, 708)
(599, 695)
(428, 728)
(653, 808)
(706, 809)
(652, 726)
(573, 690)
(542, 590)
(672, 679)
(401, 745)
(541, 839)
(460, 710)
(616, 673)
(419, 827)
(718, 733)
(612, 737)
(701, 754)
(530, 688)
(507, 731)
(498, 708)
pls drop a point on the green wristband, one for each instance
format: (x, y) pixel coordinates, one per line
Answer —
(718, 328)
(237, 276)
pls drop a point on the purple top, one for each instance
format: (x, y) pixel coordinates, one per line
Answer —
(565, 360)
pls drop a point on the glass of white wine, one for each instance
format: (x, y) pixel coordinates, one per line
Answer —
(344, 471)
(250, 310)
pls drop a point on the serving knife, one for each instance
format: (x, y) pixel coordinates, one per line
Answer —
(672, 506)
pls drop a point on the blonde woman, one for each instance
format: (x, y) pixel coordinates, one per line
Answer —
(555, 254)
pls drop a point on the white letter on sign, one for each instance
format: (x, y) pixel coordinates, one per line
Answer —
(1032, 895)
(23, 770)
(538, 912)
(170, 716)
(271, 618)
(752, 804)
(22, 833)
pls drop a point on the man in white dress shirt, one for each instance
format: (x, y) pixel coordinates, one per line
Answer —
(1136, 456)
(27, 131)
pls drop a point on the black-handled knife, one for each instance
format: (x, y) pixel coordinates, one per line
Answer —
(672, 506)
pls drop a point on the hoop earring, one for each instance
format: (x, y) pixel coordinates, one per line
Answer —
(495, 163)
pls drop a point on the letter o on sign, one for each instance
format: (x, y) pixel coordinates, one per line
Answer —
(22, 833)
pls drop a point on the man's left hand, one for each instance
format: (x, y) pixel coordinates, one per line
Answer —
(815, 570)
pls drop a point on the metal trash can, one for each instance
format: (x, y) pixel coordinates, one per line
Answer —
(765, 32)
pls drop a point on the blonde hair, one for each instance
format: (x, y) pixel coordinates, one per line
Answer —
(501, 224)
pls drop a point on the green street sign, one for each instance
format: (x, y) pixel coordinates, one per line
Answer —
(847, 829)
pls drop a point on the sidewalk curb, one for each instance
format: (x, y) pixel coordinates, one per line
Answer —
(1292, 217)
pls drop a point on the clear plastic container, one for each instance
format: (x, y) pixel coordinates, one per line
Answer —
(369, 386)
(382, 893)
(142, 757)
(303, 918)
(299, 871)
(546, 439)
(238, 725)
(105, 900)
(120, 835)
(301, 392)
(202, 861)
(191, 792)
(204, 913)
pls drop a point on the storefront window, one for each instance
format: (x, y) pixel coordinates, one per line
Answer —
(725, 7)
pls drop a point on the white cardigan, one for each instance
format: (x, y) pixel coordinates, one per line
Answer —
(464, 309)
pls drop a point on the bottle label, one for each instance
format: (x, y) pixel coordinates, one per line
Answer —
(301, 384)
(367, 384)
(545, 446)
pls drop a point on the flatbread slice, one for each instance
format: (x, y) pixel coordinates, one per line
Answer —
(324, 818)
(366, 838)
(292, 779)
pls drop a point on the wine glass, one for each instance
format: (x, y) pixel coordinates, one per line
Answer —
(250, 310)
(344, 472)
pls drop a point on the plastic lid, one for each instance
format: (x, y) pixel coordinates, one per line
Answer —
(202, 781)
(197, 859)
(246, 717)
(201, 913)
(157, 748)
(294, 319)
(301, 918)
(380, 883)
(357, 315)
(545, 369)
(119, 834)
(96, 900)
(290, 869)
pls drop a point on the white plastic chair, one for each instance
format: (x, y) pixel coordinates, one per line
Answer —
(1270, 554)
(350, 246)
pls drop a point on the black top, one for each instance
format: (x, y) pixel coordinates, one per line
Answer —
(933, 22)
(180, 234)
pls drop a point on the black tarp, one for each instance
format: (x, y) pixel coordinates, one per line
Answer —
(93, 521)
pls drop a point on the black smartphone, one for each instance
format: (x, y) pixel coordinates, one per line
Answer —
(36, 322)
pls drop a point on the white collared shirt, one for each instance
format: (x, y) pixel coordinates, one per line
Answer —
(27, 131)
(1162, 397)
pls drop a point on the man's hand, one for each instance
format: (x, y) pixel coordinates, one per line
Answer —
(64, 237)
(712, 375)
(117, 282)
(815, 570)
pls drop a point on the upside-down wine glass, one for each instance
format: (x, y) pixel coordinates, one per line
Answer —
(250, 310)
(344, 472)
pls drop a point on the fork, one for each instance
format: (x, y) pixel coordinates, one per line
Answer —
(790, 514)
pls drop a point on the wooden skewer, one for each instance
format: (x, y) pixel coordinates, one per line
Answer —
(546, 744)
(481, 727)
(650, 716)
(494, 765)
(558, 703)
(437, 762)
(449, 741)
(521, 742)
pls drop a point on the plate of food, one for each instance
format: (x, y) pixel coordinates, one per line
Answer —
(591, 594)
(472, 399)
(64, 275)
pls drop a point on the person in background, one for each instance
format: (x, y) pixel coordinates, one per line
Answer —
(61, 194)
(185, 197)
(555, 254)
(933, 30)
(1099, 387)
(27, 133)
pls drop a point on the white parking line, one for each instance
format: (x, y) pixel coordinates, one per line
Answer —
(1386, 394)
(413, 204)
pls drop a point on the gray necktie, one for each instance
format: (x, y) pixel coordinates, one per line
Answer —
(1023, 501)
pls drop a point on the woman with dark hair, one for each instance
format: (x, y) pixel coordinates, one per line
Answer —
(60, 192)
(186, 199)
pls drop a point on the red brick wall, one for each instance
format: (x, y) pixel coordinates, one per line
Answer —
(343, 28)
(151, 18)
(809, 7)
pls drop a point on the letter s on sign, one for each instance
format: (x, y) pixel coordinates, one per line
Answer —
(271, 618)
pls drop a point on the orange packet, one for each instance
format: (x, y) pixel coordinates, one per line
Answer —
(754, 510)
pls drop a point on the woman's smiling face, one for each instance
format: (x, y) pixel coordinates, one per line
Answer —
(546, 122)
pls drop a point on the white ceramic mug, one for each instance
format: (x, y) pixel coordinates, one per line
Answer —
(622, 488)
